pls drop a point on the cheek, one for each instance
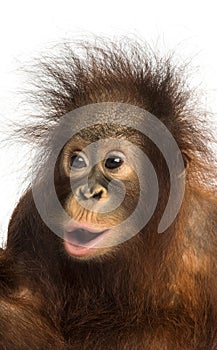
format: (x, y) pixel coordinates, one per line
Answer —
(63, 189)
(132, 193)
(74, 208)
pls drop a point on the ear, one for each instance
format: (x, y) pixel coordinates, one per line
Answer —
(186, 158)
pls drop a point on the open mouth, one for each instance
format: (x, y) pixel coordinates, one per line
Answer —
(80, 239)
(83, 237)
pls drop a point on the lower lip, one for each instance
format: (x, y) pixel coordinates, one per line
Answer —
(79, 250)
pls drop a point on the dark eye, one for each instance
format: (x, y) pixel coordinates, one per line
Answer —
(77, 162)
(113, 162)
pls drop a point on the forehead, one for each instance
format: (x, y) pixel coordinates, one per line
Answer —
(101, 145)
(104, 137)
(102, 131)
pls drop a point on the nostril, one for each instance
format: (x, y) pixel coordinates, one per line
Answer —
(97, 195)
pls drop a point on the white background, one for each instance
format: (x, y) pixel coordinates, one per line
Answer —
(188, 27)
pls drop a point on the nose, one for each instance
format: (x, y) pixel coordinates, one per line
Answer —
(97, 192)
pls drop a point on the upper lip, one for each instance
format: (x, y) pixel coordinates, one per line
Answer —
(82, 234)
(73, 226)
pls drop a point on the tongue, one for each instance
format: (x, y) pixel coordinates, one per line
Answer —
(81, 236)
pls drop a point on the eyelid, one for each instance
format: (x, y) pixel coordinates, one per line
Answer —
(116, 154)
(78, 153)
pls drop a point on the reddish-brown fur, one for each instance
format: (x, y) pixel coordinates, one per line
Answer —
(157, 291)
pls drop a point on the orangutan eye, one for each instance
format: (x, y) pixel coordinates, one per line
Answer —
(78, 162)
(113, 162)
